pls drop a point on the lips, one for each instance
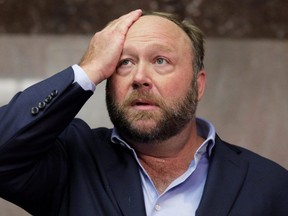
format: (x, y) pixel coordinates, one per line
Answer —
(143, 104)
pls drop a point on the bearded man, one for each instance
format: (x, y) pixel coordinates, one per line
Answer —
(159, 159)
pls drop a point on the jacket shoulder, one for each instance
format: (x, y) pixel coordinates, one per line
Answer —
(259, 166)
(78, 128)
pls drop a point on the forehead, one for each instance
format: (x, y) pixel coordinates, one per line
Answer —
(155, 28)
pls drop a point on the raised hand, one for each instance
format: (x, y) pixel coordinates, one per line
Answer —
(102, 56)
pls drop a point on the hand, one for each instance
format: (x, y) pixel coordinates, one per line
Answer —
(102, 56)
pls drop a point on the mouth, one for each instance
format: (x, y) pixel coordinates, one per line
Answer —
(142, 104)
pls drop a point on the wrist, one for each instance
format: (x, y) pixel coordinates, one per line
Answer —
(82, 78)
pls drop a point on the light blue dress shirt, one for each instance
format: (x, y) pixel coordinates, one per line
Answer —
(183, 195)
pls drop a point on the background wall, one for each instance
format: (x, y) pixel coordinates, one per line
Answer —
(246, 61)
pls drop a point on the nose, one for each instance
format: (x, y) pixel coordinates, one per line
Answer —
(142, 79)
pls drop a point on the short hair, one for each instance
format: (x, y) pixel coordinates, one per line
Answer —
(194, 33)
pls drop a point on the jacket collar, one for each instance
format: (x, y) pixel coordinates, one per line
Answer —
(125, 182)
(225, 178)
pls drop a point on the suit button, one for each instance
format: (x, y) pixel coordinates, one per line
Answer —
(34, 110)
(41, 105)
(48, 99)
(54, 93)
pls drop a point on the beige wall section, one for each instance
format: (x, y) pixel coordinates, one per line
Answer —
(246, 95)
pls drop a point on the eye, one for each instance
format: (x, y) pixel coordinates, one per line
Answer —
(124, 63)
(161, 61)
(125, 66)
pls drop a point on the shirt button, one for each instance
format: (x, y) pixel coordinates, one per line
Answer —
(157, 207)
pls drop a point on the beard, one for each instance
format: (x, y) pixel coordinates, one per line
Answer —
(169, 120)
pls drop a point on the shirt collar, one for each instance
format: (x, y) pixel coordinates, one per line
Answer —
(205, 129)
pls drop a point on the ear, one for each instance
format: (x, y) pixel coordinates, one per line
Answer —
(201, 81)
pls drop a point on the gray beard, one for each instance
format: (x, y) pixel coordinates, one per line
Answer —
(173, 118)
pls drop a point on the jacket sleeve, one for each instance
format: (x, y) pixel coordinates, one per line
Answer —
(33, 162)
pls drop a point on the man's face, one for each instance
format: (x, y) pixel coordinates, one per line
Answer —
(152, 94)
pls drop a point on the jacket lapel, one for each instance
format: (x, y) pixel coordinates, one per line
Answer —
(225, 178)
(125, 183)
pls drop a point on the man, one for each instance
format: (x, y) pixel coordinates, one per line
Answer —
(158, 160)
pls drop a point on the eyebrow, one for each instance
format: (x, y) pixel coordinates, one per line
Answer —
(152, 46)
(161, 47)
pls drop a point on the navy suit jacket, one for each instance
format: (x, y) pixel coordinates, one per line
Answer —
(53, 164)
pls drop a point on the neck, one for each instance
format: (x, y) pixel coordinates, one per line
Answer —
(186, 142)
(167, 160)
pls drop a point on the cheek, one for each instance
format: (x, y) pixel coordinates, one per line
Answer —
(119, 88)
(175, 87)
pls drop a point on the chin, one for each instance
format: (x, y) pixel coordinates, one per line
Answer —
(144, 126)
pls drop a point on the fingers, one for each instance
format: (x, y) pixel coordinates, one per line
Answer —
(123, 23)
(102, 56)
(127, 18)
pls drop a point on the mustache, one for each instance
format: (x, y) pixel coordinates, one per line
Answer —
(145, 96)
